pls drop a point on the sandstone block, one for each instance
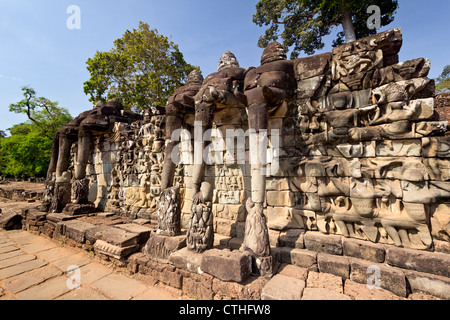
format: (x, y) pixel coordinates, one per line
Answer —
(299, 257)
(363, 250)
(325, 281)
(359, 291)
(293, 271)
(323, 294)
(278, 184)
(436, 147)
(227, 265)
(76, 230)
(34, 214)
(429, 284)
(225, 227)
(280, 198)
(142, 231)
(230, 212)
(160, 247)
(187, 260)
(73, 209)
(389, 278)
(198, 286)
(283, 218)
(282, 287)
(390, 42)
(315, 241)
(116, 252)
(308, 87)
(312, 66)
(434, 263)
(399, 148)
(442, 246)
(114, 236)
(336, 265)
(292, 238)
(58, 217)
(249, 290)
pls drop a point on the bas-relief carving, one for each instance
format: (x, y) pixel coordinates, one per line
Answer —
(219, 101)
(436, 147)
(362, 152)
(135, 177)
(374, 206)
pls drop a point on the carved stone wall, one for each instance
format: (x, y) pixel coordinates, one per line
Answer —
(375, 161)
(362, 153)
(443, 107)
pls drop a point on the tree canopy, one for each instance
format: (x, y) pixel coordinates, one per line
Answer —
(302, 24)
(46, 116)
(27, 151)
(143, 69)
(443, 82)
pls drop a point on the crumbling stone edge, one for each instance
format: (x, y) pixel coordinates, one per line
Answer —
(397, 270)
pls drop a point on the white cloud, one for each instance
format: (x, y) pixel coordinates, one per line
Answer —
(11, 78)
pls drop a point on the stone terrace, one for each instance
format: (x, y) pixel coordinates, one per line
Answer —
(311, 266)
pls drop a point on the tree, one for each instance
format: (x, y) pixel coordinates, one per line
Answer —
(302, 24)
(143, 69)
(46, 115)
(25, 155)
(27, 151)
(443, 82)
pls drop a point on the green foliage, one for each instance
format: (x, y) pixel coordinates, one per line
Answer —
(443, 82)
(25, 155)
(27, 152)
(302, 24)
(143, 69)
(47, 116)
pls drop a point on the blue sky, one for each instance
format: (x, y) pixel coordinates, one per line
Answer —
(37, 49)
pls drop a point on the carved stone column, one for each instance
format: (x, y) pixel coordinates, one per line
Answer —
(63, 154)
(62, 194)
(178, 106)
(268, 89)
(220, 90)
(200, 235)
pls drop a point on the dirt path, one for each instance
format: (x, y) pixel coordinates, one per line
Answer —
(25, 185)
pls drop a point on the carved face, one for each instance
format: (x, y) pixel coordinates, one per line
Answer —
(114, 103)
(227, 60)
(195, 77)
(147, 116)
(273, 52)
(99, 104)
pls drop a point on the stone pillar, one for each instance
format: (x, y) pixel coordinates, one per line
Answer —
(54, 157)
(220, 90)
(62, 194)
(256, 239)
(169, 212)
(81, 184)
(268, 88)
(63, 154)
(83, 154)
(200, 235)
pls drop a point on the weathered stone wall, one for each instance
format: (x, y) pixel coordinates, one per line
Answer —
(443, 107)
(374, 163)
(363, 154)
